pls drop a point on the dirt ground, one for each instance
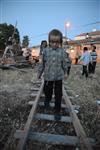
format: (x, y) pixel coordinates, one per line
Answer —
(15, 92)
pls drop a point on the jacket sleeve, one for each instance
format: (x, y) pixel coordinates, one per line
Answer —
(64, 63)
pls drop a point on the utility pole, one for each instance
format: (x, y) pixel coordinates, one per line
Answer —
(66, 26)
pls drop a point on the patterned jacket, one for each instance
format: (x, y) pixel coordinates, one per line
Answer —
(53, 64)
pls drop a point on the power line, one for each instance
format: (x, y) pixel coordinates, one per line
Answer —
(39, 35)
(98, 22)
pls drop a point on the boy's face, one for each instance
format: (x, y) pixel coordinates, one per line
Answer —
(54, 42)
(44, 44)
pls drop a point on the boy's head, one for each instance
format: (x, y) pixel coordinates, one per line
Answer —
(55, 38)
(85, 49)
(93, 48)
(44, 44)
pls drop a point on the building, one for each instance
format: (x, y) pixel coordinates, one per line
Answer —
(76, 46)
(82, 40)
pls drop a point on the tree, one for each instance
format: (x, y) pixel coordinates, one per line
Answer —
(7, 31)
(25, 41)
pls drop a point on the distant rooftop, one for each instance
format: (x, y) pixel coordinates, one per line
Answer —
(90, 33)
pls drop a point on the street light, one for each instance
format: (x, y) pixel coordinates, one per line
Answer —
(67, 25)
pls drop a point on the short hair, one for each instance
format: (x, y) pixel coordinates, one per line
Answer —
(56, 32)
(44, 41)
(94, 46)
(85, 49)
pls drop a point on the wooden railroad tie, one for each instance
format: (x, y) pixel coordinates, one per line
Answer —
(80, 138)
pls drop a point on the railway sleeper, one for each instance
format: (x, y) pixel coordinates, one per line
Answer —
(51, 138)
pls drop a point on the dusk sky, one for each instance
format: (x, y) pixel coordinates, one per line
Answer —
(36, 18)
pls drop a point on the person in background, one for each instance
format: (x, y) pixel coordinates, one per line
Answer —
(25, 53)
(94, 58)
(77, 58)
(54, 67)
(66, 47)
(42, 46)
(68, 58)
(85, 58)
(69, 62)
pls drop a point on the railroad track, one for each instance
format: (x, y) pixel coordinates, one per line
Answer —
(42, 127)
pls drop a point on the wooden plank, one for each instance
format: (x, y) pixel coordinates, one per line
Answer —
(51, 138)
(51, 118)
(42, 104)
(84, 142)
(34, 89)
(33, 95)
(36, 82)
(54, 139)
(52, 104)
(23, 139)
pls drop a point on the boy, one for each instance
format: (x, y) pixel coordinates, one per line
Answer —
(42, 46)
(94, 58)
(85, 58)
(69, 62)
(54, 67)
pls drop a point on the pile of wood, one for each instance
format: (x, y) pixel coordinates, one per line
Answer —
(8, 61)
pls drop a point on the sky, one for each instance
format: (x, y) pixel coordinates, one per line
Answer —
(36, 18)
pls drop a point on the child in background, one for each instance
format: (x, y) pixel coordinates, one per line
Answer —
(42, 46)
(54, 67)
(85, 58)
(69, 62)
(94, 58)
